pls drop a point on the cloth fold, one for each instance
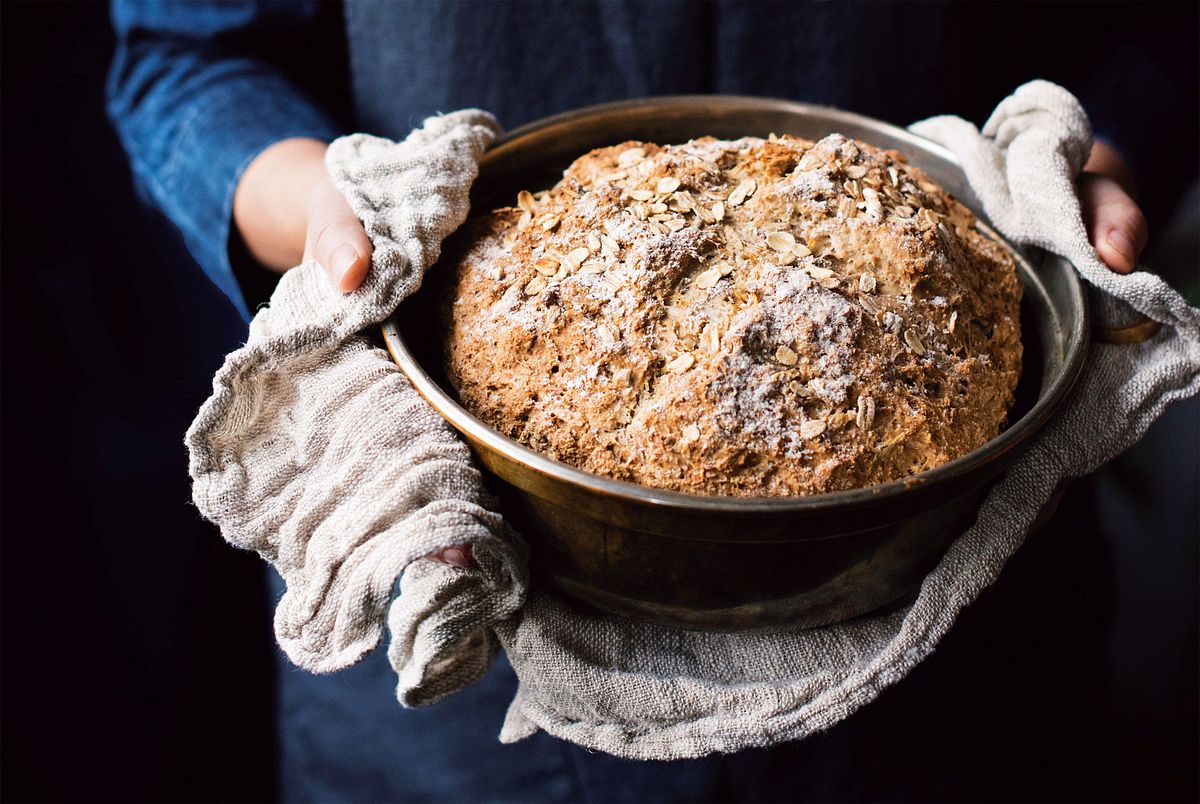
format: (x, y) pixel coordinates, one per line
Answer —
(315, 452)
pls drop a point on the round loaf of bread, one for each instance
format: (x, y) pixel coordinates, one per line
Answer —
(749, 318)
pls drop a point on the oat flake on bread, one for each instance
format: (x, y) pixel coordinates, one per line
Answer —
(750, 317)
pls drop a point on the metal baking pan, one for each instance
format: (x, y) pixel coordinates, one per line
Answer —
(731, 563)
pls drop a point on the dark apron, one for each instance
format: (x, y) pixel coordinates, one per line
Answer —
(524, 60)
(345, 737)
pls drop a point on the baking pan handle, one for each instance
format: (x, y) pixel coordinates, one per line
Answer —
(1143, 330)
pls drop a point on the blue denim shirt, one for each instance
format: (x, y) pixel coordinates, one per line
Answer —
(198, 89)
(194, 103)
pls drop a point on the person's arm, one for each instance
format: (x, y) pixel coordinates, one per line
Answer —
(195, 105)
(224, 146)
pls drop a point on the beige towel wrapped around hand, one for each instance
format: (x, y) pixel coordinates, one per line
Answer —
(315, 452)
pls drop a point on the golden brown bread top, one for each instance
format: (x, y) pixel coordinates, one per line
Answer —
(750, 318)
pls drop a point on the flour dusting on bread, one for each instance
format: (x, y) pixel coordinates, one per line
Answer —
(749, 317)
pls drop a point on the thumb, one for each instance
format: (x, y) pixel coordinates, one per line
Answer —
(336, 238)
(1116, 227)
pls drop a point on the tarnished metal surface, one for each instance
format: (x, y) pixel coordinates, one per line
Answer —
(1143, 330)
(724, 562)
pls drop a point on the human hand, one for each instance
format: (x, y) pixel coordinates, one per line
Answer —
(287, 210)
(335, 237)
(1116, 227)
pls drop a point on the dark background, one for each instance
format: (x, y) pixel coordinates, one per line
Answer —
(136, 645)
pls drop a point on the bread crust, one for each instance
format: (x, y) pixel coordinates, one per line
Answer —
(748, 318)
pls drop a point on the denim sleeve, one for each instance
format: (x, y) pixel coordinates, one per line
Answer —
(194, 100)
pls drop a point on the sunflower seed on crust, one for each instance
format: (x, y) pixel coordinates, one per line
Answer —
(631, 156)
(576, 257)
(781, 241)
(681, 202)
(708, 278)
(865, 416)
(914, 341)
(742, 192)
(681, 363)
(812, 428)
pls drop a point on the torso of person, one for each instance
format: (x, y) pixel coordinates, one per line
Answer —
(522, 60)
